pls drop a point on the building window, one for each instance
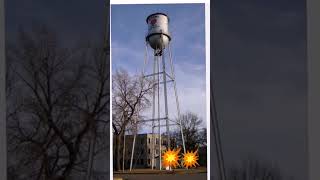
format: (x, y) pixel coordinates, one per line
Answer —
(149, 140)
(149, 162)
(164, 142)
(157, 141)
(142, 151)
(149, 150)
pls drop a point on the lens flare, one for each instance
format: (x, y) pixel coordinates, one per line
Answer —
(170, 158)
(190, 159)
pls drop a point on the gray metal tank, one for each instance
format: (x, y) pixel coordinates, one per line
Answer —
(158, 34)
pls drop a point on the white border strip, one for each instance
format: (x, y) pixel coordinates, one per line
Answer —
(207, 42)
(110, 119)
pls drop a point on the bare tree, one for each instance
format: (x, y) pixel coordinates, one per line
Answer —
(255, 170)
(194, 134)
(63, 95)
(130, 96)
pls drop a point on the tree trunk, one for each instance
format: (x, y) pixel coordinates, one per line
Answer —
(118, 151)
(92, 144)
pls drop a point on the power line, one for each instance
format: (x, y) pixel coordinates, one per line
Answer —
(217, 138)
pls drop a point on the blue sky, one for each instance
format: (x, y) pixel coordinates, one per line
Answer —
(187, 27)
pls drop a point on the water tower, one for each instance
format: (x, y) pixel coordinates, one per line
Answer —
(158, 38)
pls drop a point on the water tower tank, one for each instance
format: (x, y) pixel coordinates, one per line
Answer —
(158, 30)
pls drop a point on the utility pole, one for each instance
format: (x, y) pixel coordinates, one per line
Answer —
(217, 139)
